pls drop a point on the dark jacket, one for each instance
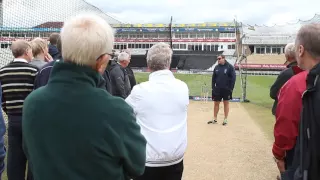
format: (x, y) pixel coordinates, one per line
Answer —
(288, 112)
(105, 82)
(2, 133)
(132, 79)
(307, 157)
(120, 82)
(54, 52)
(74, 130)
(43, 76)
(283, 77)
(223, 77)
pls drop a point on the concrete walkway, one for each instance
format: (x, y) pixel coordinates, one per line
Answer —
(239, 151)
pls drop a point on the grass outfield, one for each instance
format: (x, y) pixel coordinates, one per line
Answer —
(258, 88)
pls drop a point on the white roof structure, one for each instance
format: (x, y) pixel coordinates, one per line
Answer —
(273, 35)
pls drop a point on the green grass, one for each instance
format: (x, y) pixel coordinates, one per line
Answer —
(258, 88)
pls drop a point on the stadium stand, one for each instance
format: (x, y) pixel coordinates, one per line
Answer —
(266, 59)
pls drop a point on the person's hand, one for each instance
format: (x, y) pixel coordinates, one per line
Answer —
(281, 166)
(48, 58)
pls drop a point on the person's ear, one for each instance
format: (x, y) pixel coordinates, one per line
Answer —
(102, 63)
(301, 51)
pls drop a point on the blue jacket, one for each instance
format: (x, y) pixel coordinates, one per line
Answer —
(223, 77)
(2, 132)
(54, 52)
(43, 75)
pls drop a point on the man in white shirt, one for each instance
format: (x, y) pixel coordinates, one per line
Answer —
(160, 105)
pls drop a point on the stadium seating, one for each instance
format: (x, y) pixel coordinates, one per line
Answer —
(266, 59)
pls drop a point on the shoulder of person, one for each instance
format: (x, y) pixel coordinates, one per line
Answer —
(107, 102)
(33, 66)
(287, 72)
(181, 83)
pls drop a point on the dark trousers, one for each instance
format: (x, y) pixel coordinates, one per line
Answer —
(288, 165)
(173, 172)
(17, 161)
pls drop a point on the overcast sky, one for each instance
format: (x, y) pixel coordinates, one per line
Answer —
(258, 12)
(268, 12)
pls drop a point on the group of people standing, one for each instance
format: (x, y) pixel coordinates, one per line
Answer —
(296, 93)
(74, 113)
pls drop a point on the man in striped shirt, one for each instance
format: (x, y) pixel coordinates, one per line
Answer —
(17, 79)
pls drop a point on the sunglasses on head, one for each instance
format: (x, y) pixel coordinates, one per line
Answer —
(219, 58)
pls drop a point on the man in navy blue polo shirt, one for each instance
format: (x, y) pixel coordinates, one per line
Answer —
(223, 80)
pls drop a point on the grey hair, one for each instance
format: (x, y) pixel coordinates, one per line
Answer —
(123, 56)
(309, 37)
(159, 57)
(289, 50)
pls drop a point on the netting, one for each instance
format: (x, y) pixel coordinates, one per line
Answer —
(27, 19)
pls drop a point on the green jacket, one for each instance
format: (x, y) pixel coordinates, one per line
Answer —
(73, 130)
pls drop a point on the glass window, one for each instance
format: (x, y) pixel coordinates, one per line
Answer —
(184, 35)
(190, 47)
(208, 47)
(133, 36)
(233, 46)
(163, 35)
(175, 46)
(229, 46)
(200, 35)
(268, 49)
(212, 48)
(258, 50)
(216, 47)
(183, 46)
(193, 35)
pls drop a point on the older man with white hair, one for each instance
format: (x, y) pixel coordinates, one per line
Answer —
(74, 130)
(160, 105)
(132, 78)
(119, 78)
(285, 75)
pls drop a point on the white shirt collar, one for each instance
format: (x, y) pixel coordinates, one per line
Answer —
(20, 60)
(161, 73)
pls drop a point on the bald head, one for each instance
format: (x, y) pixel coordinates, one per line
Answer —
(307, 45)
(21, 49)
